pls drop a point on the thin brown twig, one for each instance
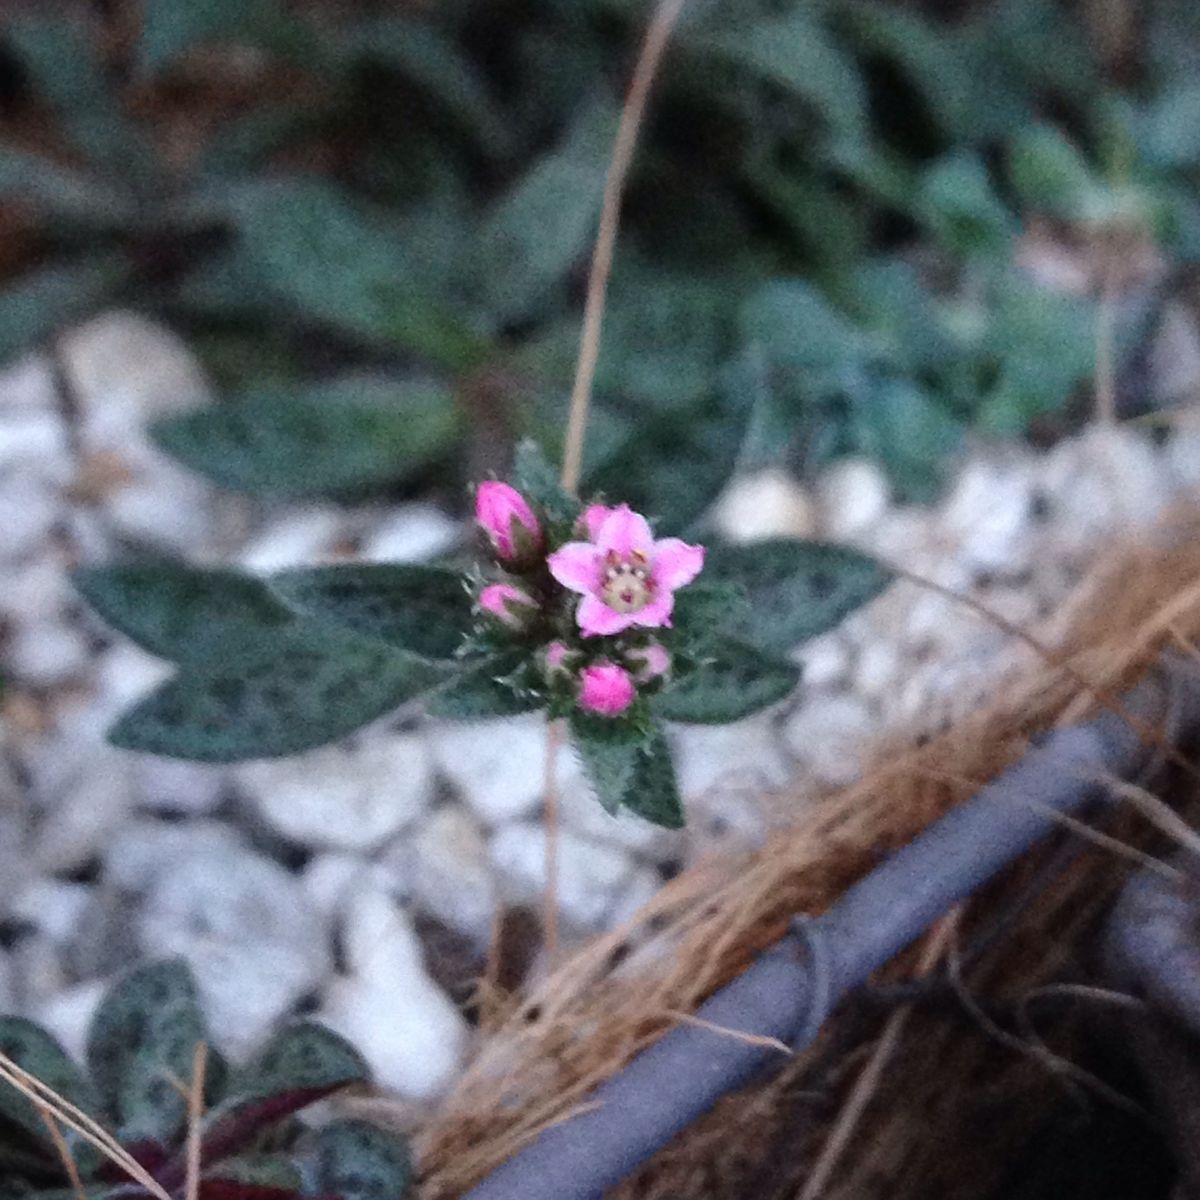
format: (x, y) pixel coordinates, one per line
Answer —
(75, 1118)
(657, 36)
(868, 1080)
(195, 1114)
(64, 1151)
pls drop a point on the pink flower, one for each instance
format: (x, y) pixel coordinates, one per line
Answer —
(648, 662)
(508, 521)
(626, 578)
(606, 689)
(508, 604)
(556, 657)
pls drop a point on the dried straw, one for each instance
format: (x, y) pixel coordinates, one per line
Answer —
(621, 991)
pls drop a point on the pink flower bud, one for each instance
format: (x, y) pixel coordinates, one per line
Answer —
(508, 521)
(648, 662)
(606, 689)
(556, 656)
(509, 605)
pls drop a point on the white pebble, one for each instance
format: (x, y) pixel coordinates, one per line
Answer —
(768, 504)
(496, 766)
(412, 533)
(88, 814)
(329, 879)
(68, 1015)
(53, 906)
(634, 895)
(740, 759)
(300, 538)
(448, 873)
(351, 796)
(411, 1035)
(988, 513)
(174, 786)
(590, 876)
(45, 653)
(252, 939)
(146, 848)
(825, 661)
(832, 735)
(852, 495)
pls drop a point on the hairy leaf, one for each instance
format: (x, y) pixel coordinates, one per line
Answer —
(735, 681)
(610, 750)
(653, 792)
(345, 436)
(181, 612)
(284, 691)
(34, 1050)
(420, 608)
(796, 589)
(141, 1043)
(479, 692)
(537, 480)
(357, 1161)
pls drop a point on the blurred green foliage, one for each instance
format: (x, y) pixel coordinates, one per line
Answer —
(818, 253)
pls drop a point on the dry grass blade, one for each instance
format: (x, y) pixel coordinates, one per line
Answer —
(1158, 813)
(64, 1151)
(195, 1115)
(74, 1118)
(738, 1035)
(868, 1080)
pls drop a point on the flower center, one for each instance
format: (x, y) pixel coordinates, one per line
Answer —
(627, 586)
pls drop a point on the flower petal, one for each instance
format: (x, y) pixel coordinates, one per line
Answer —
(576, 566)
(596, 618)
(594, 517)
(625, 531)
(658, 612)
(676, 563)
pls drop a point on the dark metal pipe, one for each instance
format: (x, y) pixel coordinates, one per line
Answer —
(789, 990)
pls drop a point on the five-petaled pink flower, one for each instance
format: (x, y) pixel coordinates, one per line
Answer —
(626, 578)
(605, 689)
(509, 522)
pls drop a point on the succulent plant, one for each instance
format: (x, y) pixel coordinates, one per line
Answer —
(140, 1055)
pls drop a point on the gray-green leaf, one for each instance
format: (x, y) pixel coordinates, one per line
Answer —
(181, 612)
(357, 1161)
(796, 589)
(277, 693)
(342, 436)
(735, 681)
(419, 608)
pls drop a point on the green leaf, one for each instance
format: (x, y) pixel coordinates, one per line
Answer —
(797, 327)
(704, 609)
(901, 314)
(181, 612)
(277, 693)
(537, 232)
(1049, 173)
(59, 192)
(906, 429)
(611, 752)
(39, 304)
(735, 681)
(482, 691)
(342, 436)
(419, 608)
(62, 57)
(259, 1171)
(170, 28)
(35, 1051)
(140, 1045)
(796, 589)
(537, 481)
(298, 1066)
(358, 1161)
(343, 268)
(653, 793)
(1169, 129)
(961, 207)
(795, 52)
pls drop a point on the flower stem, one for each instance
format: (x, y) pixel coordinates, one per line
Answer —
(657, 36)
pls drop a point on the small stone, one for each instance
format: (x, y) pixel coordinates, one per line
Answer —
(348, 796)
(147, 848)
(832, 734)
(53, 906)
(31, 508)
(329, 879)
(988, 512)
(878, 669)
(252, 939)
(37, 972)
(125, 674)
(87, 814)
(590, 876)
(825, 661)
(301, 538)
(637, 892)
(47, 653)
(739, 759)
(411, 1035)
(411, 533)
(852, 495)
(1181, 455)
(497, 767)
(68, 1015)
(768, 504)
(448, 873)
(28, 385)
(170, 785)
